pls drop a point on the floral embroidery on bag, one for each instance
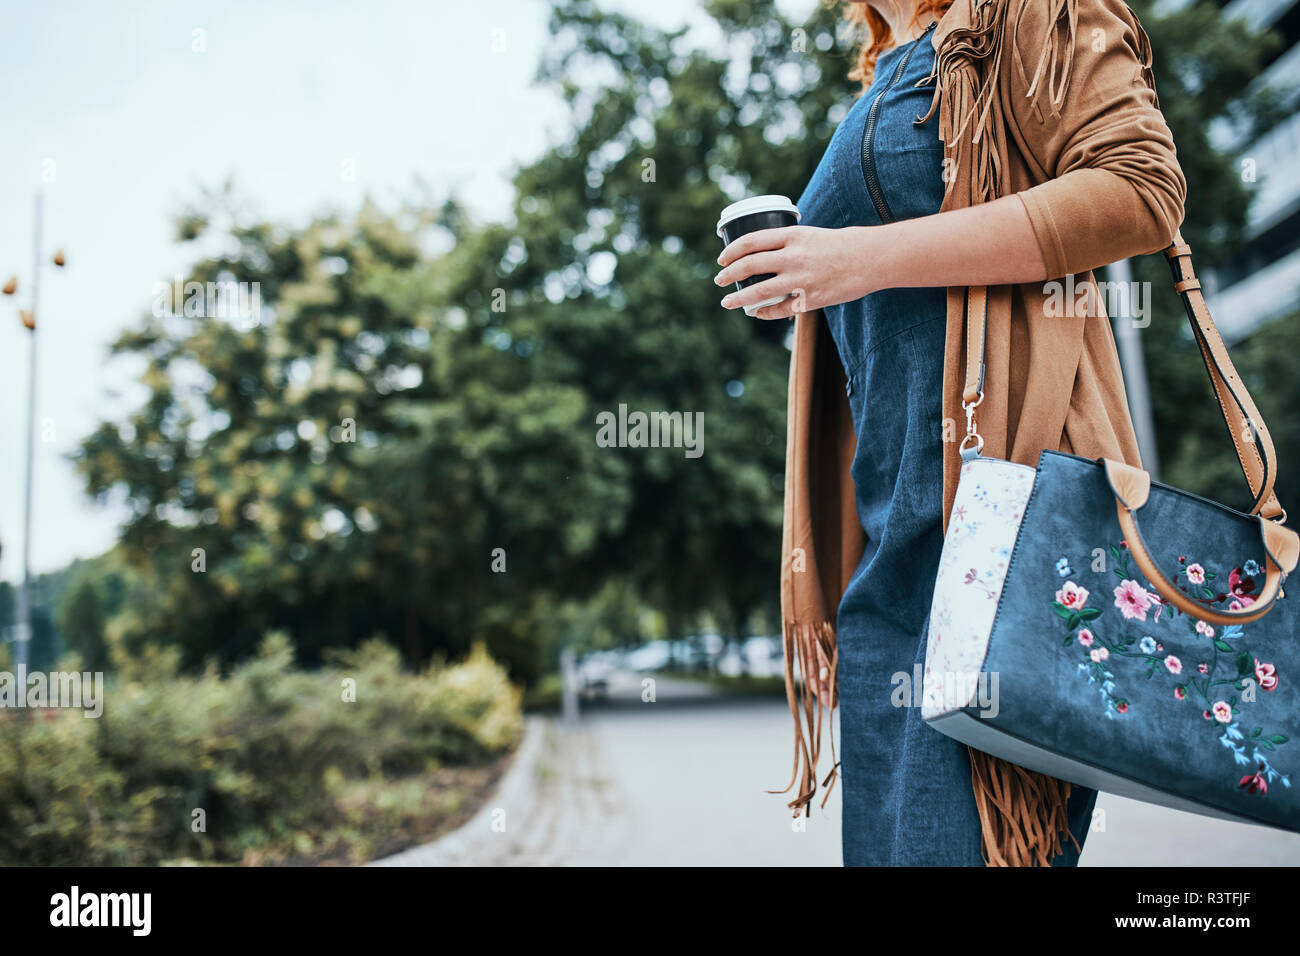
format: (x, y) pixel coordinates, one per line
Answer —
(1220, 665)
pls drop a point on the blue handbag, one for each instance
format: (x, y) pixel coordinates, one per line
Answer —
(1099, 627)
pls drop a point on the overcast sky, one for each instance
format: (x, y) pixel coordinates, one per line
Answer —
(120, 112)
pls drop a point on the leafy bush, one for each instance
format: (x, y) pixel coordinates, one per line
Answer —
(285, 764)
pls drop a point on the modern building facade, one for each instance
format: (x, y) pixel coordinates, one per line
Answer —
(1262, 282)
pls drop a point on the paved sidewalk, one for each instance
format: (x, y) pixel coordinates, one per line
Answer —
(680, 782)
(1139, 834)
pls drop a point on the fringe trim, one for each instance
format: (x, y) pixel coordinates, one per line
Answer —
(967, 101)
(1056, 60)
(1022, 814)
(812, 645)
(966, 74)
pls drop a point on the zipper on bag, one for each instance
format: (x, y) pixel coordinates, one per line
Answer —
(873, 115)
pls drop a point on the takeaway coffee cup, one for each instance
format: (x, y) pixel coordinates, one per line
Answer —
(750, 215)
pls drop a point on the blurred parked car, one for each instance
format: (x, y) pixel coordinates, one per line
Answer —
(756, 657)
(594, 671)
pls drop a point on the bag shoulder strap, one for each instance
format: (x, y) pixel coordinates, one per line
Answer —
(1250, 436)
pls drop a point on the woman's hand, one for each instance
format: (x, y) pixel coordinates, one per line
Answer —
(820, 267)
(989, 244)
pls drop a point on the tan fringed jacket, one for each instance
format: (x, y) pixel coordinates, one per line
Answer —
(1051, 100)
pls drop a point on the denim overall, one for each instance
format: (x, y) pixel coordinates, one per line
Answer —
(907, 788)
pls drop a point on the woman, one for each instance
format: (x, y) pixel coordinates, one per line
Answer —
(1000, 143)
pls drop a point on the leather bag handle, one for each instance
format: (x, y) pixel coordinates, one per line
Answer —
(1250, 436)
(1132, 486)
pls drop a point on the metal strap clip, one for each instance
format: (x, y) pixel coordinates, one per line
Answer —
(966, 450)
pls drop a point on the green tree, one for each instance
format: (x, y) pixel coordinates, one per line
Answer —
(345, 463)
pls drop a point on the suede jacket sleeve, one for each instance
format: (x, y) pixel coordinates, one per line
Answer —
(1086, 112)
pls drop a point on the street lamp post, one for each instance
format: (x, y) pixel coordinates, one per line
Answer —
(23, 623)
(1134, 369)
(23, 632)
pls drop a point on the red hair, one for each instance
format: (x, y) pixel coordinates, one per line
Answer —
(880, 38)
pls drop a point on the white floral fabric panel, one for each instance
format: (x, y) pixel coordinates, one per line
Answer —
(986, 514)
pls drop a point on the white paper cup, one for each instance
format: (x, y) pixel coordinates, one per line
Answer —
(750, 215)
